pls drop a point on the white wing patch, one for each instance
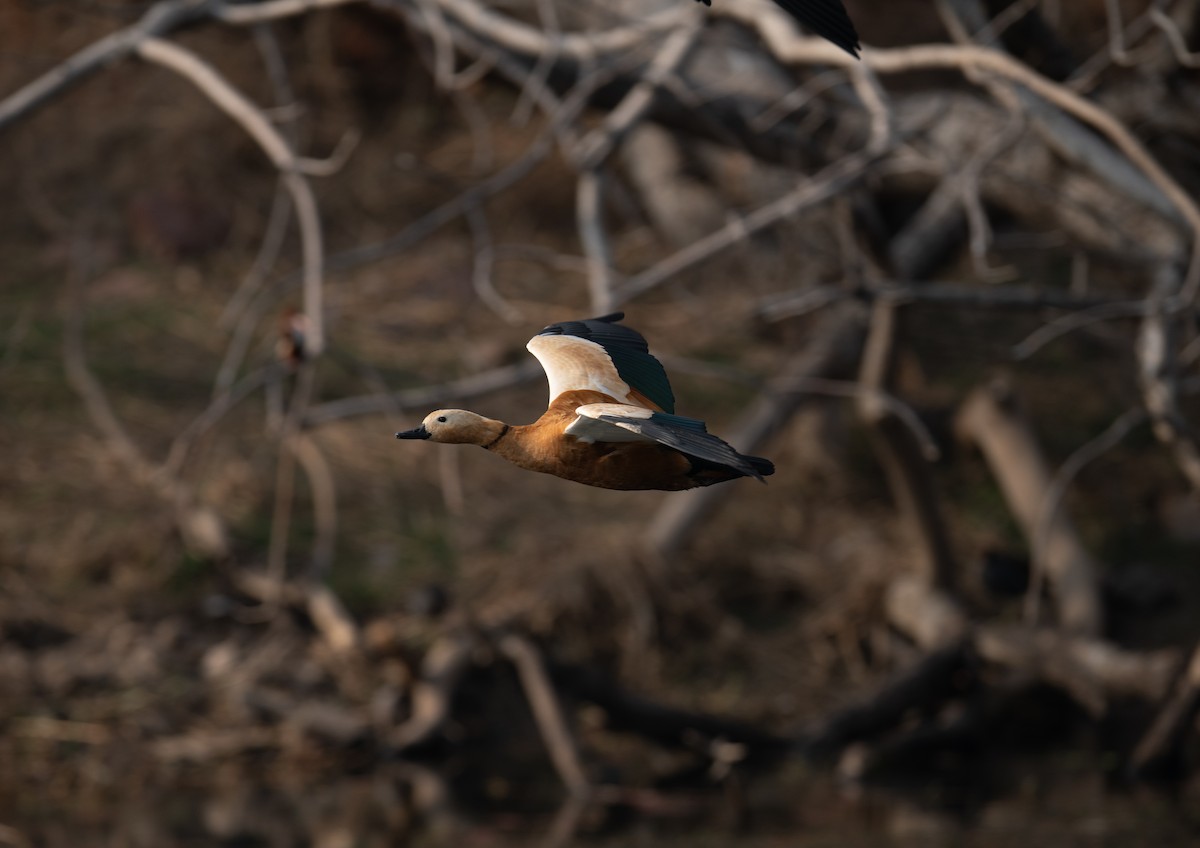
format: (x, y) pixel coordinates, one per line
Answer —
(572, 363)
(587, 427)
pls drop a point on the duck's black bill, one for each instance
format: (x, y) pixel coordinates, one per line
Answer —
(415, 433)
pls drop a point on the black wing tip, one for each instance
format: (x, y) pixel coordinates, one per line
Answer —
(831, 23)
(828, 19)
(851, 47)
(850, 44)
(610, 318)
(560, 328)
(761, 467)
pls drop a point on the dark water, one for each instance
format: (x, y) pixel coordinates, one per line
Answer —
(307, 802)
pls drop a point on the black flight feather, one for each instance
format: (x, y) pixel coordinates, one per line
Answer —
(689, 437)
(628, 351)
(827, 18)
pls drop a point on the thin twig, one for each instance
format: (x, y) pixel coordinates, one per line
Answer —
(827, 184)
(484, 262)
(593, 236)
(217, 408)
(285, 476)
(1073, 321)
(324, 496)
(424, 397)
(242, 14)
(1053, 498)
(906, 465)
(160, 18)
(200, 526)
(991, 418)
(1158, 372)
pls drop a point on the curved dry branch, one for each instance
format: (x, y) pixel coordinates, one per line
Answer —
(442, 668)
(422, 398)
(1158, 371)
(810, 193)
(587, 47)
(594, 149)
(230, 101)
(909, 473)
(324, 496)
(270, 10)
(201, 528)
(992, 419)
(547, 710)
(974, 59)
(1044, 526)
(159, 19)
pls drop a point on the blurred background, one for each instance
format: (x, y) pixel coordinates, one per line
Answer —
(949, 289)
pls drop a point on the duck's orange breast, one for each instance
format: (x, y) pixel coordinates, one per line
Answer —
(543, 446)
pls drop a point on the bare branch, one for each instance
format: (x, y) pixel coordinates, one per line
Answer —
(810, 193)
(543, 701)
(202, 529)
(589, 214)
(1175, 38)
(441, 670)
(909, 474)
(991, 418)
(1053, 497)
(957, 295)
(324, 495)
(1165, 741)
(425, 397)
(1158, 371)
(1073, 321)
(160, 18)
(525, 39)
(236, 106)
(242, 14)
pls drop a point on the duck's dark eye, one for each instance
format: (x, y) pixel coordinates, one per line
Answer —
(442, 419)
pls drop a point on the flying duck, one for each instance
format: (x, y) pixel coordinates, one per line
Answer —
(611, 421)
(827, 18)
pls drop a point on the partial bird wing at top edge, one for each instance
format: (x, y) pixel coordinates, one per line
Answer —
(827, 18)
(600, 355)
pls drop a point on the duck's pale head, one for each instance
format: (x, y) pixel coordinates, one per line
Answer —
(454, 427)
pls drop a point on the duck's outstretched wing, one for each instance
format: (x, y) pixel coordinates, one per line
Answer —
(601, 355)
(616, 422)
(827, 18)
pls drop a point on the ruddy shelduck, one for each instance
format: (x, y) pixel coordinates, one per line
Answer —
(611, 421)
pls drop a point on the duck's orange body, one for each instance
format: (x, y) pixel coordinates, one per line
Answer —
(543, 446)
(599, 429)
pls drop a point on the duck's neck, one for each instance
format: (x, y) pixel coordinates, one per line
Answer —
(492, 434)
(525, 445)
(540, 446)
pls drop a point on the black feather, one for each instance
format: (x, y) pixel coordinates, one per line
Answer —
(628, 351)
(689, 437)
(827, 18)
